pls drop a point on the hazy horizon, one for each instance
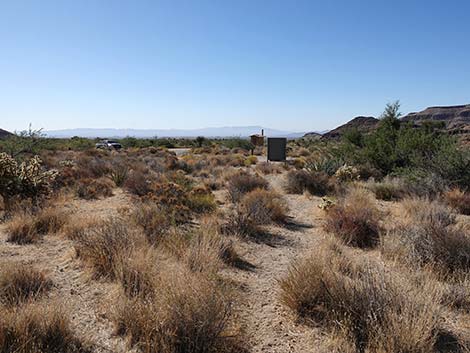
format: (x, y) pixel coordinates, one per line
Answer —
(295, 66)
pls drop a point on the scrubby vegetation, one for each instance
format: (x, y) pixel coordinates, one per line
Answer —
(364, 305)
(354, 219)
(149, 250)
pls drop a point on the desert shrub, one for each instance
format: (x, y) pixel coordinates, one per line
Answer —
(299, 163)
(428, 212)
(388, 189)
(268, 168)
(241, 183)
(251, 160)
(354, 219)
(38, 328)
(91, 189)
(316, 183)
(94, 166)
(257, 208)
(153, 219)
(26, 180)
(20, 283)
(458, 200)
(240, 143)
(173, 198)
(25, 228)
(104, 246)
(201, 201)
(429, 238)
(138, 183)
(119, 172)
(376, 309)
(265, 206)
(398, 147)
(182, 311)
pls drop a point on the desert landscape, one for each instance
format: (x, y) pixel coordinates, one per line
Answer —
(358, 242)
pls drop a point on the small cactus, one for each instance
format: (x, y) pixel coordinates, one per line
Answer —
(347, 173)
(326, 204)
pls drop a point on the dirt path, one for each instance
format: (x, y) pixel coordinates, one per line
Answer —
(270, 327)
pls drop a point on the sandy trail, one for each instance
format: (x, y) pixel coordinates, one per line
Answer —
(270, 327)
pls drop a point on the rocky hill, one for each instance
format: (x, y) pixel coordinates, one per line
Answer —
(362, 123)
(4, 134)
(456, 119)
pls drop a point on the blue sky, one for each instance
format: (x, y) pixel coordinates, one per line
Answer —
(295, 65)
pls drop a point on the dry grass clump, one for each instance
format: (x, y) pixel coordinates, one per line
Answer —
(26, 228)
(458, 200)
(242, 183)
(38, 328)
(20, 283)
(167, 307)
(316, 183)
(104, 246)
(265, 206)
(257, 208)
(429, 237)
(138, 183)
(374, 309)
(354, 219)
(152, 218)
(389, 189)
(268, 168)
(91, 189)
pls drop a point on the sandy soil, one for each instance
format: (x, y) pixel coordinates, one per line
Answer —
(269, 326)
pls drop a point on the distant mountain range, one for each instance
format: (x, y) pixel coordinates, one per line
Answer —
(227, 131)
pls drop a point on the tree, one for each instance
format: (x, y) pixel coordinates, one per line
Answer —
(200, 140)
(23, 142)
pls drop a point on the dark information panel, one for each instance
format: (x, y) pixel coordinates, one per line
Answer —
(277, 149)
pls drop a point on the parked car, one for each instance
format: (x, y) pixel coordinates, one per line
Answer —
(109, 144)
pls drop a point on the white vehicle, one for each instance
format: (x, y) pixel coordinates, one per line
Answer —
(109, 144)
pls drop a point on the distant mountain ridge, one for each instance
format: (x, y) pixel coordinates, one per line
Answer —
(4, 134)
(456, 120)
(226, 131)
(364, 124)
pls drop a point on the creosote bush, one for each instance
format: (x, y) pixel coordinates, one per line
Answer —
(20, 283)
(354, 219)
(374, 309)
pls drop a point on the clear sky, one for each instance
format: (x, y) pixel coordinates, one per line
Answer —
(295, 65)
